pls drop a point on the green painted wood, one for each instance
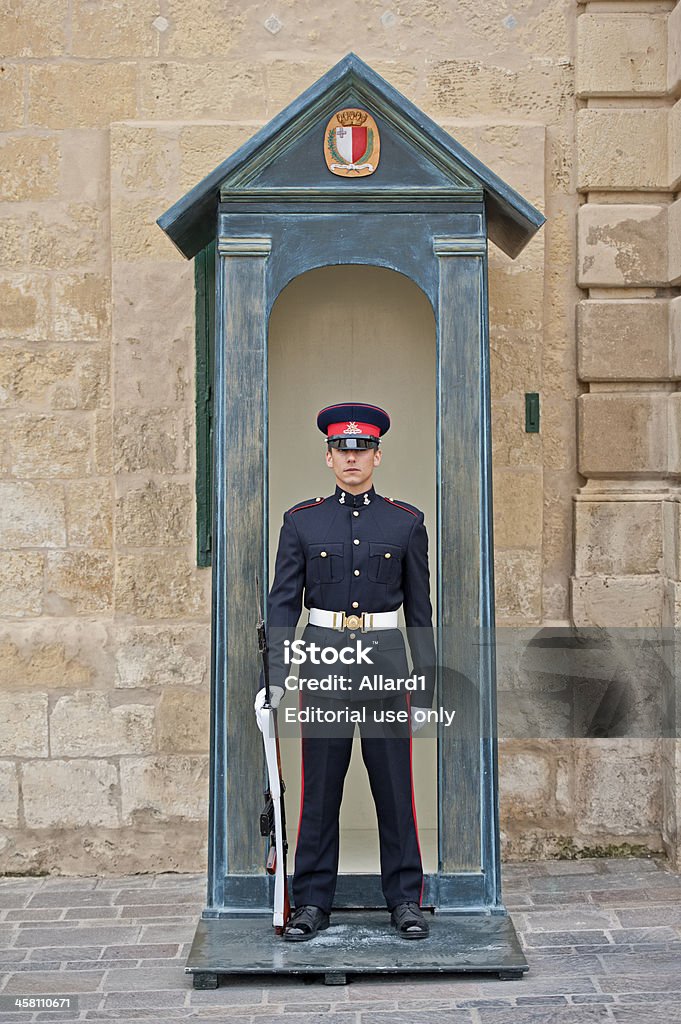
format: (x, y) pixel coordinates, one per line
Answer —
(532, 412)
(243, 512)
(462, 892)
(204, 284)
(308, 200)
(489, 788)
(404, 146)
(459, 343)
(217, 796)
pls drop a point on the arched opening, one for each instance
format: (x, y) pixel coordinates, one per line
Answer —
(367, 334)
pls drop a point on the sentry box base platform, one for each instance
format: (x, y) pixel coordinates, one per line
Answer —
(356, 943)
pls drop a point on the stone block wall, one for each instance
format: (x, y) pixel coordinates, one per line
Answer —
(108, 114)
(628, 88)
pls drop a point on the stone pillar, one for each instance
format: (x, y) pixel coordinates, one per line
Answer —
(626, 513)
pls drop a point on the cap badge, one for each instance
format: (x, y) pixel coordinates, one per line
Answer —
(353, 428)
(352, 143)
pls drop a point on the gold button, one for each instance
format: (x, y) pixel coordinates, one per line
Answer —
(323, 554)
(355, 604)
(355, 542)
(318, 499)
(355, 513)
(387, 554)
(352, 636)
(356, 572)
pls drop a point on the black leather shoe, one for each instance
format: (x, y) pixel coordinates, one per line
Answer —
(409, 922)
(304, 923)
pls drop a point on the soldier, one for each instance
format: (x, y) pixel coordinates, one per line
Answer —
(356, 556)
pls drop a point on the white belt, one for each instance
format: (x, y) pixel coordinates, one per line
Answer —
(340, 621)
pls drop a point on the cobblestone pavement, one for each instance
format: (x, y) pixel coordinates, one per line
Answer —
(602, 937)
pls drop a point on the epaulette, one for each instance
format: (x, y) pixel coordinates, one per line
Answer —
(412, 509)
(308, 503)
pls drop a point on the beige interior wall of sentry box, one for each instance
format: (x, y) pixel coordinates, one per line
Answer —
(365, 334)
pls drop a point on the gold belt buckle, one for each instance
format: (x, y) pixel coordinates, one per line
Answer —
(352, 621)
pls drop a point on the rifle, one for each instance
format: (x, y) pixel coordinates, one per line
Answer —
(273, 816)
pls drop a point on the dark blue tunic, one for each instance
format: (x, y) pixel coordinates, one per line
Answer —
(355, 553)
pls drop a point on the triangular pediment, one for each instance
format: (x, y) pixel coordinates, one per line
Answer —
(294, 157)
(285, 158)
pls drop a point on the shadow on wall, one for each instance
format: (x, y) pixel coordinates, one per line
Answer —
(586, 683)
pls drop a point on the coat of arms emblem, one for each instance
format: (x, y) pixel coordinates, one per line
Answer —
(352, 144)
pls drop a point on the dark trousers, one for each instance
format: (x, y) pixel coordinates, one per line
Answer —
(386, 752)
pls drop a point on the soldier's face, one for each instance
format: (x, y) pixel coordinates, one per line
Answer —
(353, 467)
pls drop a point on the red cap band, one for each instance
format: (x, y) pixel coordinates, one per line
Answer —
(352, 429)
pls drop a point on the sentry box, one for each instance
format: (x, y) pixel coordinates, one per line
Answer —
(353, 224)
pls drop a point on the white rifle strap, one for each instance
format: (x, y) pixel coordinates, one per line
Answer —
(269, 739)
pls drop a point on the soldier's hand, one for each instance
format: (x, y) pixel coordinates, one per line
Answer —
(276, 693)
(417, 723)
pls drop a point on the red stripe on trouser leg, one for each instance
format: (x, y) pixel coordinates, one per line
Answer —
(302, 774)
(413, 798)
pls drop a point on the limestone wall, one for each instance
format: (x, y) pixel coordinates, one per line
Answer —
(626, 568)
(109, 113)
